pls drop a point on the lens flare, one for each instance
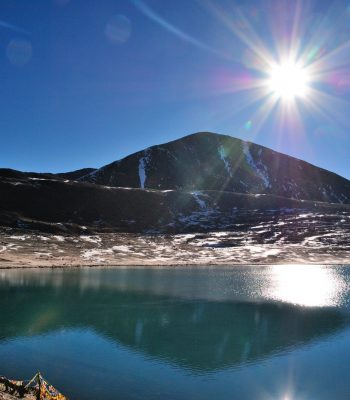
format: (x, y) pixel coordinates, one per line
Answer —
(288, 80)
(290, 63)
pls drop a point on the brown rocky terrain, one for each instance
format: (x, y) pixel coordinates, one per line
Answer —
(8, 396)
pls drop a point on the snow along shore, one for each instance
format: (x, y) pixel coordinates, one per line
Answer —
(275, 242)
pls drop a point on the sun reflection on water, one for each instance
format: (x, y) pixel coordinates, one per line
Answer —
(306, 285)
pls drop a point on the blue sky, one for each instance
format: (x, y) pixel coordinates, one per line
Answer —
(86, 82)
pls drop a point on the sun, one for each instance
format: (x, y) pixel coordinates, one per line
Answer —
(288, 81)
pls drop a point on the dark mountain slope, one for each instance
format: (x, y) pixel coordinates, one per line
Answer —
(53, 205)
(73, 175)
(13, 173)
(208, 161)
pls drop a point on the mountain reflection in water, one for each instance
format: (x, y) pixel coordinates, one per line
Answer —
(198, 324)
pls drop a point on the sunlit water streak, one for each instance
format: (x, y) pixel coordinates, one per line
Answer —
(313, 285)
(269, 332)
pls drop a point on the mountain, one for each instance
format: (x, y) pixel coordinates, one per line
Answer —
(200, 183)
(64, 205)
(203, 199)
(209, 161)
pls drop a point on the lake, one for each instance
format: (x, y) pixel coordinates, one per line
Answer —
(252, 332)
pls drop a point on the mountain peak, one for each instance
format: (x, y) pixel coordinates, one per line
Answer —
(205, 136)
(212, 161)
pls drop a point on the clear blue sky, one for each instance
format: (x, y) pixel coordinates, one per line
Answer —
(86, 82)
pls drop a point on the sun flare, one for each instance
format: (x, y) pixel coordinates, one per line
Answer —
(288, 81)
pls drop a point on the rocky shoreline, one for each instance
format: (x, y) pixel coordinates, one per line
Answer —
(8, 396)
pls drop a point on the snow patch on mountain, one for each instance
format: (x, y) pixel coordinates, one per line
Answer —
(143, 161)
(258, 166)
(90, 177)
(223, 157)
(200, 202)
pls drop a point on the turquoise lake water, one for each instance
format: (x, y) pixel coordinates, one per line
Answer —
(259, 332)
